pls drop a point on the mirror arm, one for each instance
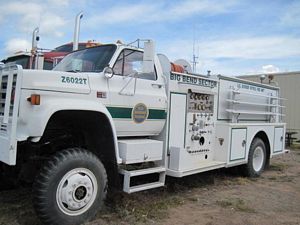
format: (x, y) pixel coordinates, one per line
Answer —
(130, 75)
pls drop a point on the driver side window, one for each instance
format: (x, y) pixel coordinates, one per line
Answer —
(129, 62)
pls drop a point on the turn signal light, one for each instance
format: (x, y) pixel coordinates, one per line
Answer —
(34, 99)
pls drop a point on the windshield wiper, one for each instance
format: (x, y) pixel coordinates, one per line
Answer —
(73, 71)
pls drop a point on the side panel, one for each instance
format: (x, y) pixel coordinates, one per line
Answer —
(230, 136)
(191, 125)
(278, 139)
(177, 120)
(238, 144)
(140, 150)
(253, 101)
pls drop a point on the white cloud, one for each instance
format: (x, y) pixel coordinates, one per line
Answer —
(32, 14)
(241, 48)
(21, 8)
(190, 7)
(122, 14)
(251, 48)
(51, 24)
(158, 11)
(16, 44)
(270, 69)
(230, 56)
(59, 2)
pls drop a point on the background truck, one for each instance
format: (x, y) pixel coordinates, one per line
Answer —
(45, 60)
(108, 116)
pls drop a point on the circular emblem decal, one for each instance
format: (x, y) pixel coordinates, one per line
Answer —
(139, 113)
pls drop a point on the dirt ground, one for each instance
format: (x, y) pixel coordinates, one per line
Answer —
(218, 197)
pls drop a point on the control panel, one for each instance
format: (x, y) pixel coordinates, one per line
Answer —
(200, 123)
(200, 103)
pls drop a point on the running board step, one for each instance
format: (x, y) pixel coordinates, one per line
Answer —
(134, 173)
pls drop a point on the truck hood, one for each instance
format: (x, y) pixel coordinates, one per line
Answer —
(56, 81)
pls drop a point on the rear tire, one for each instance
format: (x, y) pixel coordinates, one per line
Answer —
(256, 159)
(70, 188)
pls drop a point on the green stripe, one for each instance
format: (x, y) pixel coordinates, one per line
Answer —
(119, 112)
(157, 114)
(125, 113)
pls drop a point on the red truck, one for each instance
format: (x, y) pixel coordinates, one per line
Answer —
(45, 60)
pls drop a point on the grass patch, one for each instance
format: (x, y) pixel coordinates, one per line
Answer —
(140, 209)
(295, 147)
(236, 181)
(278, 167)
(179, 185)
(272, 178)
(282, 178)
(225, 203)
(236, 204)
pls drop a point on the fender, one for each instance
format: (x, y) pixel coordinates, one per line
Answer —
(40, 115)
(267, 129)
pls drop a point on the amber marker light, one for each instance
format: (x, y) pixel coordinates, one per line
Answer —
(34, 99)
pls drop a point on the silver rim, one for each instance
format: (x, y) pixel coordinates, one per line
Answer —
(76, 191)
(258, 158)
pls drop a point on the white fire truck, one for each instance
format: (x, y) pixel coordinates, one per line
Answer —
(116, 112)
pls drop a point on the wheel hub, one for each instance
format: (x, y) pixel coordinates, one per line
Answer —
(258, 159)
(76, 191)
(80, 193)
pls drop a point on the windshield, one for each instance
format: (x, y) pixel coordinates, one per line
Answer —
(88, 60)
(20, 60)
(69, 47)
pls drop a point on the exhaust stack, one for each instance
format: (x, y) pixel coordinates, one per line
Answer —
(35, 39)
(76, 31)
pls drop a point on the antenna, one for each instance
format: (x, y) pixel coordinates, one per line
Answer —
(194, 62)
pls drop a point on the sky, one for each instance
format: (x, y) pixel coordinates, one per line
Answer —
(229, 37)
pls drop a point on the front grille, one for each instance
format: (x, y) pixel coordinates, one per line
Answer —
(3, 94)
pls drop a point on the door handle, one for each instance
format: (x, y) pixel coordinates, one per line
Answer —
(244, 143)
(157, 85)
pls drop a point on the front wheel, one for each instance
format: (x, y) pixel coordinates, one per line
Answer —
(70, 188)
(256, 159)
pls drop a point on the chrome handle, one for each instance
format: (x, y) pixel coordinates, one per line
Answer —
(244, 143)
(157, 85)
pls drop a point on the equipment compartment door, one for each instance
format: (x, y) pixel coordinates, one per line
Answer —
(177, 122)
(278, 139)
(238, 144)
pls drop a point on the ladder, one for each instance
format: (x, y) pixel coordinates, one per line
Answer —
(133, 152)
(128, 174)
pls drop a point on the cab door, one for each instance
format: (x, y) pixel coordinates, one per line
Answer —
(138, 100)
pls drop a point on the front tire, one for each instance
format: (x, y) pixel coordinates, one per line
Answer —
(256, 159)
(70, 188)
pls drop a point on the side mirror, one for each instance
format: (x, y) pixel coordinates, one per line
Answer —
(108, 72)
(148, 58)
